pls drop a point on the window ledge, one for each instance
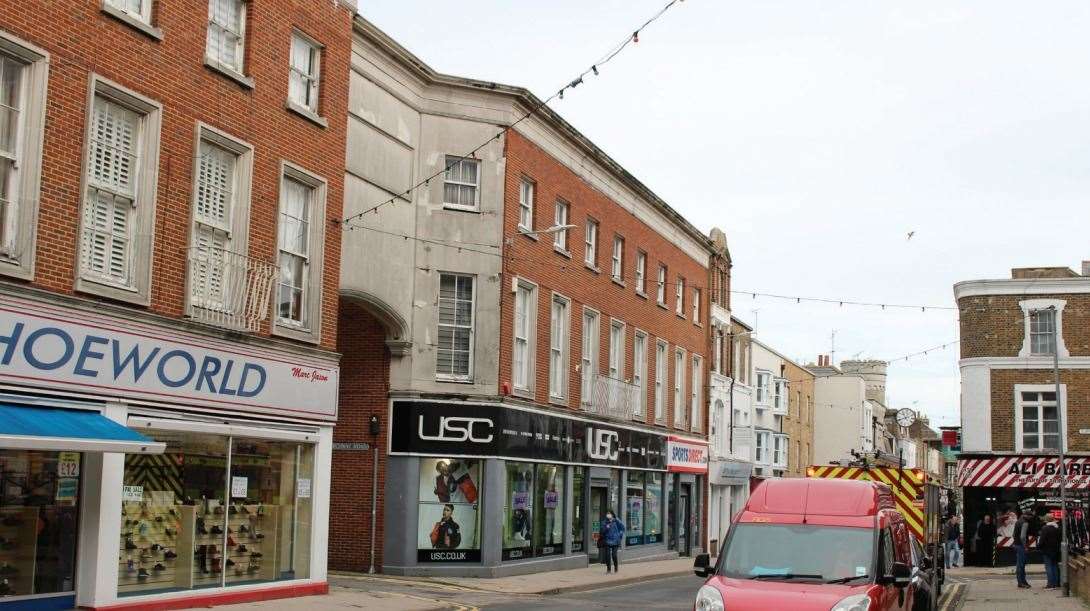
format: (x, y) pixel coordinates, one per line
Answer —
(134, 23)
(306, 113)
(229, 72)
(522, 393)
(562, 252)
(680, 315)
(447, 380)
(593, 268)
(455, 208)
(641, 294)
(558, 401)
(662, 305)
(295, 332)
(617, 281)
(527, 232)
(698, 324)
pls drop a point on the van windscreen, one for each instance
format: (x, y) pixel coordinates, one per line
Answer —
(774, 552)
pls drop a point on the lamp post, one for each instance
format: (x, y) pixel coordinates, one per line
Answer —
(1063, 438)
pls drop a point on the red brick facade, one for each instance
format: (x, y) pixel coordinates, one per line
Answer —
(537, 261)
(83, 40)
(365, 382)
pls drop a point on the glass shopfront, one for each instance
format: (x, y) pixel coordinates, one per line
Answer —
(548, 510)
(634, 504)
(653, 508)
(578, 495)
(39, 504)
(214, 511)
(448, 512)
(517, 514)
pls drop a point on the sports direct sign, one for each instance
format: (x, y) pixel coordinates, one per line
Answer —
(686, 456)
(1023, 472)
(51, 347)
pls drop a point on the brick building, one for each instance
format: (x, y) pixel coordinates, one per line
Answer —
(543, 320)
(1010, 412)
(169, 286)
(798, 423)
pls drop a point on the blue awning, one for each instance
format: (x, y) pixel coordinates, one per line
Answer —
(49, 428)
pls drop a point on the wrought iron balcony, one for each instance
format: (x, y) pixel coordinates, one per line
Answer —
(610, 397)
(228, 289)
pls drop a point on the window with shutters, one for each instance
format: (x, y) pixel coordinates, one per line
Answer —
(303, 77)
(559, 337)
(526, 205)
(590, 244)
(589, 364)
(298, 290)
(616, 349)
(462, 183)
(679, 388)
(679, 297)
(617, 263)
(120, 173)
(639, 371)
(660, 282)
(560, 219)
(454, 349)
(226, 34)
(662, 368)
(525, 317)
(641, 272)
(23, 73)
(696, 394)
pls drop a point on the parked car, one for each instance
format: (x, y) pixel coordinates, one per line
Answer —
(923, 565)
(812, 544)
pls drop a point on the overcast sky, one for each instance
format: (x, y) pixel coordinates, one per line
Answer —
(817, 135)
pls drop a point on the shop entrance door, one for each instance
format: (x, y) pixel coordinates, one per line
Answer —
(684, 547)
(598, 507)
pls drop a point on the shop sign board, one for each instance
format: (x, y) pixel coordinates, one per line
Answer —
(685, 456)
(239, 486)
(436, 428)
(730, 473)
(1023, 471)
(56, 348)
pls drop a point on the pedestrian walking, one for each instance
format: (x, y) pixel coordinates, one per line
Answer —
(610, 536)
(1049, 544)
(1021, 535)
(984, 541)
(953, 535)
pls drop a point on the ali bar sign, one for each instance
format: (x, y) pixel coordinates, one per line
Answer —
(1023, 472)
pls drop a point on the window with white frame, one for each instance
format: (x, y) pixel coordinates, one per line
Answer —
(559, 338)
(1038, 415)
(526, 205)
(764, 380)
(23, 73)
(462, 183)
(590, 242)
(616, 349)
(299, 254)
(679, 388)
(522, 367)
(779, 449)
(641, 272)
(679, 297)
(221, 202)
(717, 357)
(695, 394)
(696, 305)
(662, 368)
(777, 394)
(660, 294)
(119, 201)
(137, 9)
(305, 70)
(618, 258)
(589, 363)
(560, 219)
(763, 447)
(1043, 328)
(1042, 325)
(454, 351)
(639, 370)
(226, 33)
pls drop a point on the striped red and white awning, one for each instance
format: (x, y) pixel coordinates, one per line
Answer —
(1023, 472)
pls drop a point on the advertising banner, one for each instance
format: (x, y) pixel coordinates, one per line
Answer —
(1022, 471)
(481, 429)
(686, 456)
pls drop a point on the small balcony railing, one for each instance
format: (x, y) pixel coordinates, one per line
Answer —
(611, 397)
(228, 289)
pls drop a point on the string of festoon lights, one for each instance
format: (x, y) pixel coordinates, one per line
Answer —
(595, 67)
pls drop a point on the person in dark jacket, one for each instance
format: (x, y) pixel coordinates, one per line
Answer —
(1020, 538)
(953, 534)
(610, 534)
(1049, 544)
(984, 540)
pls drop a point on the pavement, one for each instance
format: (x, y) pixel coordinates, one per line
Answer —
(989, 589)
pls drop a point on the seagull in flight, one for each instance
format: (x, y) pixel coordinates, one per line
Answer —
(910, 234)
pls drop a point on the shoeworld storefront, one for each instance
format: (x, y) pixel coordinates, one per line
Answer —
(145, 465)
(488, 489)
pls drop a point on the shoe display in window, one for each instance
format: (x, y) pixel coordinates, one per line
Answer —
(158, 567)
(129, 544)
(231, 541)
(142, 574)
(170, 555)
(242, 549)
(216, 530)
(5, 588)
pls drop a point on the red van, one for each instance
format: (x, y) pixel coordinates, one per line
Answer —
(812, 544)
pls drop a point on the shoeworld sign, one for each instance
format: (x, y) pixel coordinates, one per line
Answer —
(49, 347)
(1023, 472)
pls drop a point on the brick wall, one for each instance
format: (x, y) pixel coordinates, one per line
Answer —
(82, 40)
(536, 260)
(799, 421)
(993, 325)
(364, 383)
(1003, 404)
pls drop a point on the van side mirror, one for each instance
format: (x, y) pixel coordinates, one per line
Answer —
(925, 563)
(702, 566)
(902, 575)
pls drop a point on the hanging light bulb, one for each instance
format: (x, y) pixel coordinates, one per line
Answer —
(595, 70)
(636, 36)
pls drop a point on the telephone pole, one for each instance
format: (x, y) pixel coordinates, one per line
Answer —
(1063, 442)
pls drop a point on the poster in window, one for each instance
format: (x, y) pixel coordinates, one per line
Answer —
(451, 480)
(448, 517)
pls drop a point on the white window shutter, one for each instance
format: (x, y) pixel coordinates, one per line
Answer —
(113, 147)
(215, 186)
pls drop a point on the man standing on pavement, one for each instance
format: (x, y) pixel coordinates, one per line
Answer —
(610, 536)
(1049, 544)
(1021, 535)
(953, 533)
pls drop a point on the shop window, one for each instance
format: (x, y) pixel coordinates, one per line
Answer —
(214, 511)
(548, 510)
(634, 503)
(652, 509)
(38, 522)
(578, 491)
(517, 514)
(448, 516)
